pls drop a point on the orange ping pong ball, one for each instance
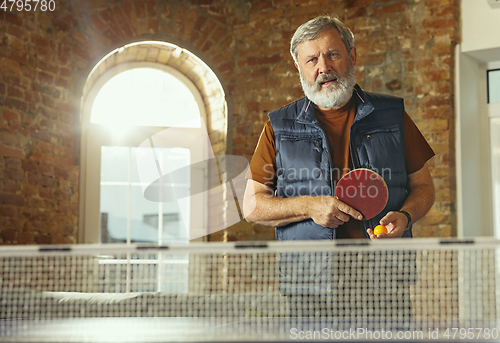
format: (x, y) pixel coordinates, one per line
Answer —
(379, 229)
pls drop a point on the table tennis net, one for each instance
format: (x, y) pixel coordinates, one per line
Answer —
(264, 289)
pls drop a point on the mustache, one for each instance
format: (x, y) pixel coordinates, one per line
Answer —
(326, 77)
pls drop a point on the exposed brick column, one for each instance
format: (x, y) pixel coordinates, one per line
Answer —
(38, 126)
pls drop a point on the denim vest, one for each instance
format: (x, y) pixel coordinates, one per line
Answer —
(303, 159)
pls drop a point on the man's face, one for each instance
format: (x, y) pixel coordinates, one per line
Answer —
(326, 70)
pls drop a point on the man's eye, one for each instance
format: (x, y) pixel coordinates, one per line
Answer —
(333, 55)
(311, 60)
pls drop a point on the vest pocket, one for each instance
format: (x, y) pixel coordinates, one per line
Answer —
(382, 150)
(300, 158)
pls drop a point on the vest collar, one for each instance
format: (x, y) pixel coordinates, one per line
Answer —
(364, 106)
(307, 113)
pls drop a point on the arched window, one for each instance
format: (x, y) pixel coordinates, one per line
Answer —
(145, 96)
(127, 106)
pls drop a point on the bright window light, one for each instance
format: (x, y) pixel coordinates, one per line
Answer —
(145, 97)
(493, 86)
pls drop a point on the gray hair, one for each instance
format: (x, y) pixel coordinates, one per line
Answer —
(314, 27)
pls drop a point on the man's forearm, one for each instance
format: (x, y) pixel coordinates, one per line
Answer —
(421, 194)
(419, 201)
(270, 210)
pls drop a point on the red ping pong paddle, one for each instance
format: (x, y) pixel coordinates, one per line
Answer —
(363, 190)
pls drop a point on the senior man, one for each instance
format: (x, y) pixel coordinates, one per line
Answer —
(305, 148)
(308, 145)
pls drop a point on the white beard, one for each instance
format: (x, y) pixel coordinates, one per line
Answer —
(335, 95)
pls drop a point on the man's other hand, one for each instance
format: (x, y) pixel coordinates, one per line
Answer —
(395, 222)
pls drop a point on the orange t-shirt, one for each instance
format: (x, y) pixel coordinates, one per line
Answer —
(336, 124)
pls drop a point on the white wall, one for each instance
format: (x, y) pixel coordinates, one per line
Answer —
(472, 146)
(480, 26)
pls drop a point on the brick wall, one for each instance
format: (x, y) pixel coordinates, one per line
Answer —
(405, 48)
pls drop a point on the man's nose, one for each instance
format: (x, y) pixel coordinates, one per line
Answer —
(323, 66)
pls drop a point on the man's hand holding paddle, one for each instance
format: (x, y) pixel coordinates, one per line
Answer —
(330, 212)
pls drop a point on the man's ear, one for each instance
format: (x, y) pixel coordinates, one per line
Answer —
(353, 55)
(296, 66)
